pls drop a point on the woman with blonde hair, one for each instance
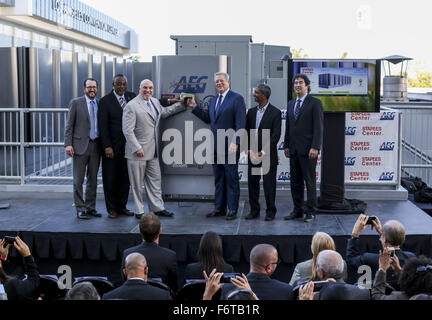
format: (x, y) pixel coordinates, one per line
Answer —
(306, 270)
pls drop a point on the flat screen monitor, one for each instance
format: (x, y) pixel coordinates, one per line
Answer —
(342, 85)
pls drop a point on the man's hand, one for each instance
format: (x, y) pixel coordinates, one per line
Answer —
(395, 264)
(21, 247)
(109, 152)
(191, 103)
(360, 225)
(313, 153)
(286, 151)
(377, 225)
(384, 259)
(212, 284)
(70, 151)
(4, 251)
(242, 283)
(306, 291)
(233, 147)
(140, 153)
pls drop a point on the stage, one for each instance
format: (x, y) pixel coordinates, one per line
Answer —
(94, 247)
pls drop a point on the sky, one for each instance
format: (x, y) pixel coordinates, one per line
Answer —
(324, 29)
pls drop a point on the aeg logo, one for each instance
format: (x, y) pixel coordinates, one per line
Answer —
(387, 176)
(196, 84)
(284, 176)
(350, 161)
(350, 131)
(387, 146)
(388, 115)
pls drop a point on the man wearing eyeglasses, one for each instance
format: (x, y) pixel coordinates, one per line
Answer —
(82, 144)
(263, 263)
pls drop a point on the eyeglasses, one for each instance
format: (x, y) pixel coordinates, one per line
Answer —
(91, 87)
(276, 263)
(424, 268)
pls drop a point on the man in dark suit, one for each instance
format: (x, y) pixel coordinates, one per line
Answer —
(114, 165)
(83, 145)
(263, 151)
(162, 261)
(392, 235)
(263, 262)
(136, 286)
(227, 110)
(303, 139)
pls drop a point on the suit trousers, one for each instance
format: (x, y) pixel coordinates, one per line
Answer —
(89, 160)
(227, 186)
(303, 171)
(115, 182)
(269, 186)
(149, 172)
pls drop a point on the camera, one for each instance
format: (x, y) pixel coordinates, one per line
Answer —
(226, 278)
(9, 240)
(370, 219)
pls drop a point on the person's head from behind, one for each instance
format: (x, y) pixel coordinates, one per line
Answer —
(329, 265)
(83, 291)
(241, 294)
(263, 259)
(416, 276)
(150, 227)
(393, 234)
(210, 253)
(136, 266)
(320, 241)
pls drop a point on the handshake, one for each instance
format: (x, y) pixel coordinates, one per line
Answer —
(188, 99)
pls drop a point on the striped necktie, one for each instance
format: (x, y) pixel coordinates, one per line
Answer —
(218, 103)
(122, 102)
(297, 109)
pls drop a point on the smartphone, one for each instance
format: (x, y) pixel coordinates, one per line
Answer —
(9, 240)
(318, 285)
(392, 252)
(226, 278)
(370, 219)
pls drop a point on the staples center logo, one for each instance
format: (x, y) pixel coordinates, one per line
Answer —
(371, 131)
(350, 131)
(360, 146)
(360, 115)
(307, 70)
(281, 146)
(388, 115)
(386, 176)
(387, 146)
(196, 84)
(371, 161)
(350, 161)
(284, 176)
(359, 176)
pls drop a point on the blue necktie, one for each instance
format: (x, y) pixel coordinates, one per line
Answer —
(93, 126)
(218, 104)
(297, 109)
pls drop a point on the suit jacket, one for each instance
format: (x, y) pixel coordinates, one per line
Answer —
(342, 291)
(136, 289)
(24, 289)
(110, 114)
(140, 128)
(162, 262)
(195, 270)
(231, 115)
(264, 287)
(379, 289)
(272, 120)
(355, 260)
(77, 130)
(307, 131)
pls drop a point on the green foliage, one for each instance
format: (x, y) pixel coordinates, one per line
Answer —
(421, 80)
(298, 53)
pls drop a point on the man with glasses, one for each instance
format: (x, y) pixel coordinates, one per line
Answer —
(263, 263)
(82, 144)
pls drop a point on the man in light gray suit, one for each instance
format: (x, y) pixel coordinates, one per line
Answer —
(140, 127)
(82, 144)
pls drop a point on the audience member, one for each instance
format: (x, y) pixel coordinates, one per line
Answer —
(15, 288)
(210, 256)
(329, 267)
(136, 286)
(306, 270)
(415, 277)
(162, 261)
(392, 235)
(83, 291)
(263, 263)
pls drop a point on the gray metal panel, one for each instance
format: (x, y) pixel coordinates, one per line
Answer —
(119, 66)
(109, 73)
(42, 73)
(140, 71)
(257, 65)
(274, 53)
(128, 73)
(66, 78)
(9, 79)
(97, 73)
(82, 71)
(279, 96)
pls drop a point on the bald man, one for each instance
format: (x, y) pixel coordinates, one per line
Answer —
(136, 286)
(263, 263)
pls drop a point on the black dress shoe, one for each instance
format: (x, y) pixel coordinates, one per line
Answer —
(138, 215)
(294, 215)
(231, 215)
(216, 213)
(269, 217)
(82, 215)
(164, 213)
(252, 215)
(309, 217)
(94, 213)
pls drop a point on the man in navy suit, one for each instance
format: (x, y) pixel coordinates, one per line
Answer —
(227, 110)
(303, 139)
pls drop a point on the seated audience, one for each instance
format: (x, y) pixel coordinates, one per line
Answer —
(15, 288)
(83, 291)
(162, 261)
(306, 270)
(329, 267)
(263, 263)
(210, 256)
(136, 286)
(415, 277)
(392, 234)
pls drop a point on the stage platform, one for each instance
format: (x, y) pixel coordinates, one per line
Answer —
(94, 247)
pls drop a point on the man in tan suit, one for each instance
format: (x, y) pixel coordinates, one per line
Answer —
(140, 127)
